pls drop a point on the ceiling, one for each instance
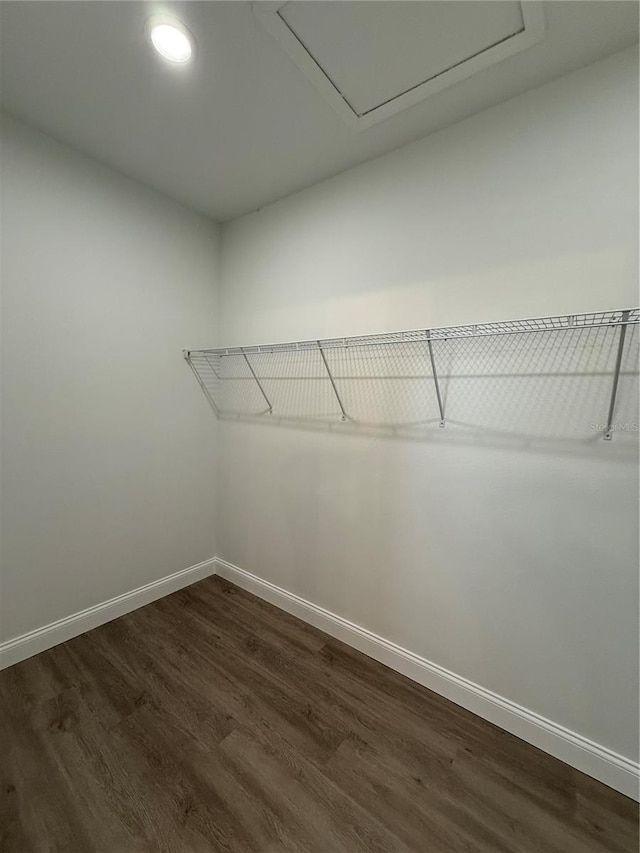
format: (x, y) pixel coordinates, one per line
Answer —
(242, 125)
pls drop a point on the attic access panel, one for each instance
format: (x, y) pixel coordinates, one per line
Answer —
(371, 60)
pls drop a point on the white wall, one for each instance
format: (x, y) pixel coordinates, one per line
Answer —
(516, 568)
(107, 443)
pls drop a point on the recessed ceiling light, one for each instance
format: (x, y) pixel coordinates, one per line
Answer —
(170, 38)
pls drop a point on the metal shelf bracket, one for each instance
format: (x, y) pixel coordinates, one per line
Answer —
(608, 435)
(262, 391)
(333, 384)
(435, 378)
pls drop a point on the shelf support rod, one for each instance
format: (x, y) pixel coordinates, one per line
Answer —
(262, 391)
(608, 435)
(333, 384)
(435, 378)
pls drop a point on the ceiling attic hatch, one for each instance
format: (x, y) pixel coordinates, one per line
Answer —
(372, 60)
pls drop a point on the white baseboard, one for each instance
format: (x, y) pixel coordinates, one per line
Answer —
(50, 635)
(591, 758)
(614, 770)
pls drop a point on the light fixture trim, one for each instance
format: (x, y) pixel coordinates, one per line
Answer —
(170, 39)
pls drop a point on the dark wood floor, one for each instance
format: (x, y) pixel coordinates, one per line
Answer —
(211, 721)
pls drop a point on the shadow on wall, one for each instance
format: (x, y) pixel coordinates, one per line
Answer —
(547, 389)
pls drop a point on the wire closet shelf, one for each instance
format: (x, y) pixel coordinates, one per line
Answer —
(550, 375)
